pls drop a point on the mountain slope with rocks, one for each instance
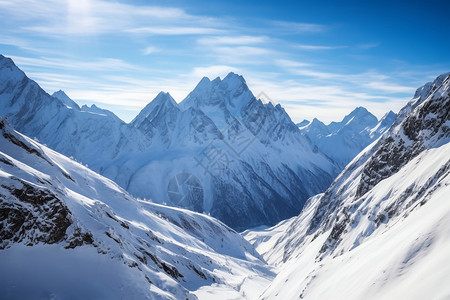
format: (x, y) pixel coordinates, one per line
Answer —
(62, 223)
(382, 228)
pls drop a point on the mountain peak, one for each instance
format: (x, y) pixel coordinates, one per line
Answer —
(302, 123)
(389, 115)
(6, 62)
(162, 102)
(230, 92)
(62, 96)
(360, 115)
(234, 77)
(164, 97)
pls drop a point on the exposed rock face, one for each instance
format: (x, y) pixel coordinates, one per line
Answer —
(33, 216)
(383, 220)
(427, 126)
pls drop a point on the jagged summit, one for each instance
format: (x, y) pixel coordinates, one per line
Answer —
(358, 115)
(343, 140)
(62, 96)
(6, 62)
(231, 93)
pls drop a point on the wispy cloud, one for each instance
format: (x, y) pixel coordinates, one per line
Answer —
(61, 44)
(213, 71)
(368, 45)
(298, 28)
(93, 17)
(243, 55)
(389, 87)
(317, 47)
(232, 40)
(176, 30)
(103, 64)
(149, 50)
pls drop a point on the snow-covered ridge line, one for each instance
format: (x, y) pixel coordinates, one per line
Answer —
(382, 226)
(54, 205)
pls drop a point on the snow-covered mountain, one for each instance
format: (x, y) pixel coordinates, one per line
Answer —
(343, 140)
(247, 162)
(61, 95)
(67, 232)
(382, 229)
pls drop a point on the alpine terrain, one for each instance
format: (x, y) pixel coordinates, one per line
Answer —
(342, 141)
(220, 151)
(61, 223)
(382, 229)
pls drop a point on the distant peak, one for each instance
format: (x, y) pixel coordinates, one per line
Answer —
(62, 96)
(390, 113)
(162, 94)
(6, 62)
(316, 121)
(360, 110)
(59, 93)
(204, 80)
(164, 97)
(303, 123)
(234, 77)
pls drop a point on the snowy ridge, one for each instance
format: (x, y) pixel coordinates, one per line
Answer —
(344, 244)
(58, 206)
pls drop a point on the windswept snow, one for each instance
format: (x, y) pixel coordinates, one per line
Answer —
(381, 231)
(85, 231)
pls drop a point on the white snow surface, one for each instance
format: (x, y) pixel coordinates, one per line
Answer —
(388, 240)
(185, 255)
(406, 258)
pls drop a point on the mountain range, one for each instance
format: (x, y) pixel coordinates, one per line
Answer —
(342, 141)
(247, 162)
(380, 230)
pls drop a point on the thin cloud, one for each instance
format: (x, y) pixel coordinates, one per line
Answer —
(318, 47)
(149, 50)
(299, 28)
(213, 71)
(241, 55)
(368, 46)
(96, 17)
(286, 63)
(389, 87)
(173, 30)
(232, 40)
(103, 64)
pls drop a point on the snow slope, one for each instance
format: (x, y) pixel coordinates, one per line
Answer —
(67, 232)
(247, 162)
(342, 141)
(381, 231)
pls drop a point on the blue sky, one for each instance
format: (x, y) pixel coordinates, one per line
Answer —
(317, 58)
